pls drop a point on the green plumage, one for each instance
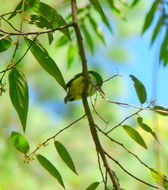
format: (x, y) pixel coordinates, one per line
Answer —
(75, 86)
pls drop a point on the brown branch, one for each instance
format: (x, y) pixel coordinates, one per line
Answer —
(130, 174)
(29, 156)
(84, 97)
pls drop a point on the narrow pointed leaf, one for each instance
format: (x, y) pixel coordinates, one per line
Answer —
(71, 55)
(45, 60)
(140, 89)
(150, 16)
(50, 168)
(99, 9)
(51, 15)
(163, 50)
(18, 8)
(158, 110)
(50, 37)
(146, 128)
(19, 142)
(5, 44)
(18, 91)
(160, 178)
(134, 135)
(93, 186)
(134, 3)
(65, 156)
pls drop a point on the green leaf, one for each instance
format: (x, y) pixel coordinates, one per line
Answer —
(163, 50)
(51, 169)
(96, 29)
(146, 128)
(157, 29)
(99, 9)
(88, 39)
(71, 55)
(134, 3)
(150, 16)
(61, 41)
(140, 89)
(19, 142)
(112, 6)
(158, 110)
(93, 186)
(64, 154)
(160, 178)
(50, 37)
(18, 91)
(134, 135)
(45, 61)
(51, 15)
(18, 8)
(5, 44)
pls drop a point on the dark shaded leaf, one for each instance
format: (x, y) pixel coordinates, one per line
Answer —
(64, 154)
(50, 168)
(18, 91)
(150, 16)
(146, 128)
(164, 49)
(51, 15)
(134, 3)
(46, 61)
(140, 89)
(158, 110)
(88, 38)
(5, 44)
(50, 37)
(134, 135)
(18, 8)
(101, 12)
(71, 55)
(93, 186)
(96, 29)
(160, 178)
(157, 29)
(19, 142)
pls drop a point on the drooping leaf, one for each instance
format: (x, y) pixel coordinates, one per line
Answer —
(146, 128)
(160, 178)
(96, 29)
(18, 91)
(150, 16)
(140, 89)
(88, 39)
(93, 186)
(164, 50)
(99, 9)
(161, 110)
(134, 3)
(19, 142)
(65, 156)
(134, 135)
(157, 29)
(50, 37)
(51, 15)
(50, 168)
(45, 61)
(71, 55)
(5, 44)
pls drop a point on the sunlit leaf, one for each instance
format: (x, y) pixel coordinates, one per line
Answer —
(146, 128)
(50, 168)
(5, 44)
(140, 89)
(157, 29)
(50, 37)
(96, 28)
(150, 16)
(18, 91)
(134, 135)
(160, 178)
(45, 61)
(71, 55)
(161, 110)
(88, 39)
(19, 142)
(101, 12)
(51, 15)
(62, 41)
(113, 7)
(93, 186)
(64, 154)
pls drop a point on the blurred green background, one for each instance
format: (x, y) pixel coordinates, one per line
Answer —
(48, 113)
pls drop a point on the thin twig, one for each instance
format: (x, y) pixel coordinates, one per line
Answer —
(51, 138)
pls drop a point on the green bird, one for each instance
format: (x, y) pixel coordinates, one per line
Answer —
(75, 86)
